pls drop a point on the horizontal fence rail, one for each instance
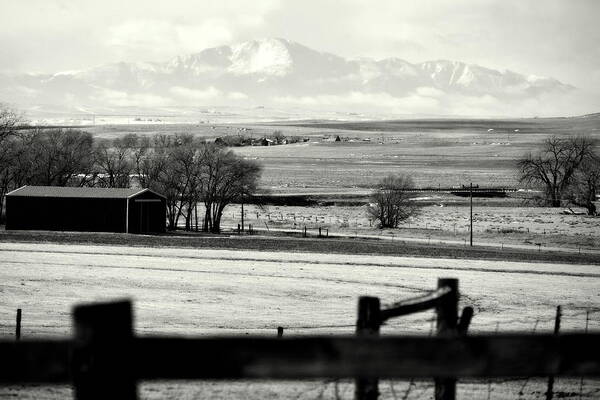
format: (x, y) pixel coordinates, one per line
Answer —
(154, 358)
(416, 304)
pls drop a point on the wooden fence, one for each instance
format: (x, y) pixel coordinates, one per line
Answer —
(105, 360)
(445, 303)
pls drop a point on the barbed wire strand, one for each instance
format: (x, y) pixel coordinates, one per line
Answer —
(548, 319)
(411, 384)
(489, 395)
(587, 321)
(423, 387)
(393, 390)
(336, 389)
(527, 379)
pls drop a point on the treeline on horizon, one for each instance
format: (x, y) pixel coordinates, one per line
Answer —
(276, 138)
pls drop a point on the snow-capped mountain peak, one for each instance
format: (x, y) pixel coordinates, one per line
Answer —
(268, 57)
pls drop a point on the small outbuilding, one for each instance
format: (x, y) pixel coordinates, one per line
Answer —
(85, 209)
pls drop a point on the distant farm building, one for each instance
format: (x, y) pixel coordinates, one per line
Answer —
(85, 209)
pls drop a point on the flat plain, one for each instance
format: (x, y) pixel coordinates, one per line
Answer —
(436, 152)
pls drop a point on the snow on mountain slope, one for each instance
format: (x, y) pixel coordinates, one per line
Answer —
(271, 71)
(267, 57)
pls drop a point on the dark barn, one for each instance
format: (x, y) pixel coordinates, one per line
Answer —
(85, 209)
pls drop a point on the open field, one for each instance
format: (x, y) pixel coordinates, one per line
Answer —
(506, 221)
(211, 292)
(451, 157)
(435, 152)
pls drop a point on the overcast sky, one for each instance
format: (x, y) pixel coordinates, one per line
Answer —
(549, 38)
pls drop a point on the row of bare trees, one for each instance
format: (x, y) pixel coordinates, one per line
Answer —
(188, 171)
(53, 157)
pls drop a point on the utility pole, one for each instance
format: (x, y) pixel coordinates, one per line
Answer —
(471, 197)
(242, 213)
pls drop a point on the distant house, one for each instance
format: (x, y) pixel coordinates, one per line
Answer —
(85, 209)
(329, 139)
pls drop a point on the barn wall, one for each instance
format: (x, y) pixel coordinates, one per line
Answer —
(148, 215)
(66, 214)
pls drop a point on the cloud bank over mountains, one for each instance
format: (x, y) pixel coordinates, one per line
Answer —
(283, 74)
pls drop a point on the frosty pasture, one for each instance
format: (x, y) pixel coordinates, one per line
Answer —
(231, 292)
(201, 292)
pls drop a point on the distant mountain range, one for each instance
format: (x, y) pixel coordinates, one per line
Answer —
(281, 73)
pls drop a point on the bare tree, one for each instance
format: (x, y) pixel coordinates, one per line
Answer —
(171, 165)
(155, 170)
(158, 172)
(57, 157)
(147, 162)
(185, 163)
(391, 202)
(188, 171)
(226, 179)
(555, 165)
(10, 121)
(114, 161)
(586, 184)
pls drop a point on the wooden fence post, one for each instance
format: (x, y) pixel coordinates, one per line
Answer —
(447, 316)
(550, 390)
(18, 326)
(465, 320)
(102, 348)
(367, 324)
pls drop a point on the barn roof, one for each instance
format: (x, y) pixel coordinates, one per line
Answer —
(77, 192)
